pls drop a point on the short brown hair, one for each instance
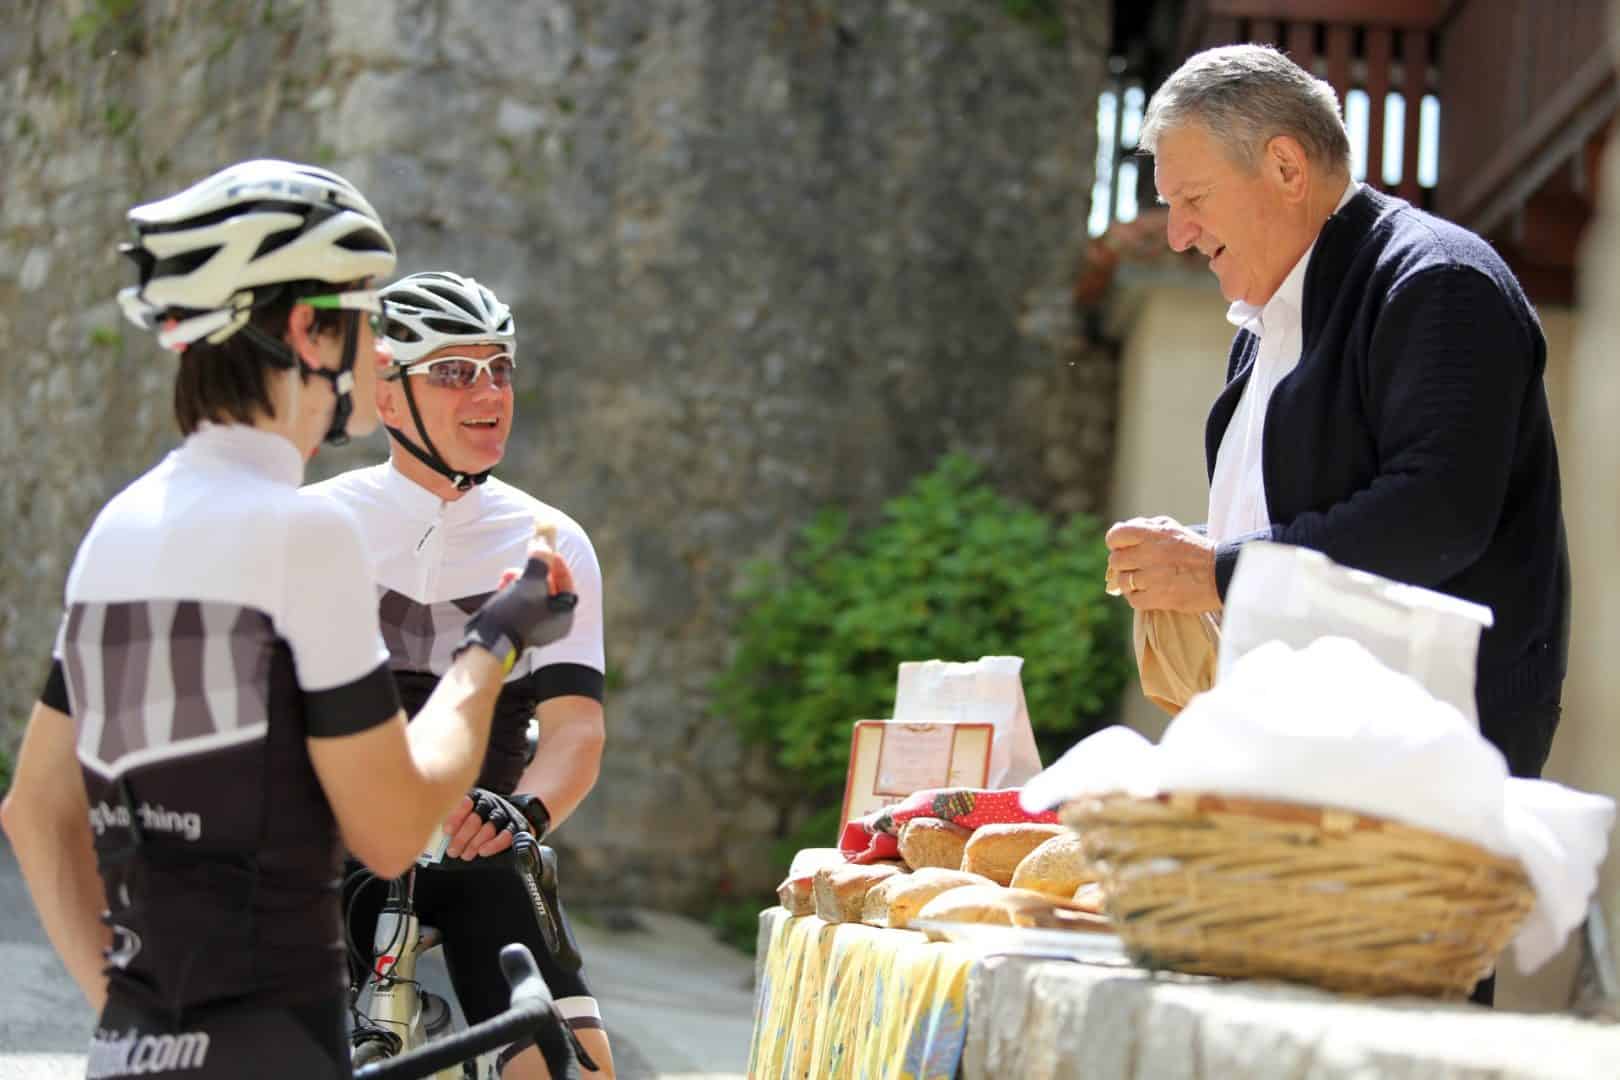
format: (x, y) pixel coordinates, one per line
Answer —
(230, 382)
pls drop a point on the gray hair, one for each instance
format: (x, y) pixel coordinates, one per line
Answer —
(1244, 96)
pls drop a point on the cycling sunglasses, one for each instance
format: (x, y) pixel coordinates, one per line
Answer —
(356, 300)
(461, 372)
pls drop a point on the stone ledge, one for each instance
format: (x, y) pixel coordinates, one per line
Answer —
(1038, 1019)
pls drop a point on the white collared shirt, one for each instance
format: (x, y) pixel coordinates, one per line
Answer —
(1237, 491)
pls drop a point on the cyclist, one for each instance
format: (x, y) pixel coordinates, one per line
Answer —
(219, 683)
(437, 525)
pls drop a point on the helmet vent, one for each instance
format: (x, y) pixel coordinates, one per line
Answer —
(450, 296)
(451, 325)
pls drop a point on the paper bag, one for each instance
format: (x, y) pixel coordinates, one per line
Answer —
(1175, 655)
(1295, 595)
(983, 691)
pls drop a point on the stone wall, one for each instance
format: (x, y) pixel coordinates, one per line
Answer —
(766, 255)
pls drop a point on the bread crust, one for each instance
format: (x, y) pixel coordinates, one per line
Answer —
(927, 841)
(840, 891)
(999, 906)
(895, 901)
(1056, 867)
(996, 850)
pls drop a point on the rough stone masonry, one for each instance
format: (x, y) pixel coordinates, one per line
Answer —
(766, 255)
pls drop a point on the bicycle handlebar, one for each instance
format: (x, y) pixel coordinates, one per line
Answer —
(531, 1012)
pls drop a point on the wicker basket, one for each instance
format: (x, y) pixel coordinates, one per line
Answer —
(1248, 888)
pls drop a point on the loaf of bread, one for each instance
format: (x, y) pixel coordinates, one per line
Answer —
(894, 901)
(996, 850)
(927, 841)
(841, 890)
(1000, 906)
(797, 895)
(797, 892)
(1057, 867)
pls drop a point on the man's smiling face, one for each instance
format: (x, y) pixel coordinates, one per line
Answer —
(1237, 218)
(468, 426)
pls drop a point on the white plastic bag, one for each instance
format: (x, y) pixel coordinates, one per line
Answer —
(1296, 595)
(983, 691)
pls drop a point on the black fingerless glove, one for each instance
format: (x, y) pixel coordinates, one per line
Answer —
(510, 813)
(522, 615)
(496, 810)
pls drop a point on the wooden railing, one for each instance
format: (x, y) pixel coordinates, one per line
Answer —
(1528, 84)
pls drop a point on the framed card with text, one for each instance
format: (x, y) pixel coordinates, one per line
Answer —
(890, 759)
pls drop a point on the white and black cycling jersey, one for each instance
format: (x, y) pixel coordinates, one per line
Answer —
(436, 561)
(217, 617)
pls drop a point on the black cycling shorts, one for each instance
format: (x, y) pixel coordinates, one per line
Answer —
(228, 1042)
(480, 908)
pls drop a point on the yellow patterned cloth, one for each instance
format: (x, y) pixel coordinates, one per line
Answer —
(841, 1000)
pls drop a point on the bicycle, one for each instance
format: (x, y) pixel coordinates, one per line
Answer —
(402, 1031)
(531, 1013)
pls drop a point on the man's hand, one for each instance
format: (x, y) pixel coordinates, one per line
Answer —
(481, 825)
(1158, 564)
(531, 607)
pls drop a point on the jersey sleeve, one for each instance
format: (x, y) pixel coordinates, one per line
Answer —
(329, 621)
(55, 693)
(582, 648)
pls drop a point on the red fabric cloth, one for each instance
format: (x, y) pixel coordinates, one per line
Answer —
(875, 837)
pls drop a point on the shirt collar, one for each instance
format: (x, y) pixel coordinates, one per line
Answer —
(1289, 299)
(272, 455)
(418, 500)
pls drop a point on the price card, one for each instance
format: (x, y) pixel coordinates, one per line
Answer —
(889, 760)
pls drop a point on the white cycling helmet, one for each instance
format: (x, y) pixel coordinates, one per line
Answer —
(203, 251)
(428, 311)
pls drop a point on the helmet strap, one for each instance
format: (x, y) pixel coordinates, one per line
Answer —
(428, 454)
(341, 380)
(337, 433)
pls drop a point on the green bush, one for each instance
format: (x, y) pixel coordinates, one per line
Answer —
(952, 571)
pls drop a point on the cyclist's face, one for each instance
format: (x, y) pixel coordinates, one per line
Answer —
(468, 426)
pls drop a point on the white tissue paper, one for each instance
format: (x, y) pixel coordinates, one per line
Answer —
(983, 691)
(1329, 725)
(1295, 595)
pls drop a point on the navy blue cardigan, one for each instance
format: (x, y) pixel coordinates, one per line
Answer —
(1414, 439)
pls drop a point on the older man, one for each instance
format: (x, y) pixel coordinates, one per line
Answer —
(1384, 400)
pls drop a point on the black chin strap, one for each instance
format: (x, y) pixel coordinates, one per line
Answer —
(428, 454)
(342, 380)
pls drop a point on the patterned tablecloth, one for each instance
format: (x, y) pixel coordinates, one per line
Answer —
(842, 1000)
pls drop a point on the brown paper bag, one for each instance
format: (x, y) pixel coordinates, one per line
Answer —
(1176, 655)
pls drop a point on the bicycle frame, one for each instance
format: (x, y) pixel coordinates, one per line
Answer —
(531, 1012)
(399, 1021)
(397, 1005)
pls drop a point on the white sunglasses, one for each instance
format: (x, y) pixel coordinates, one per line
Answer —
(461, 372)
